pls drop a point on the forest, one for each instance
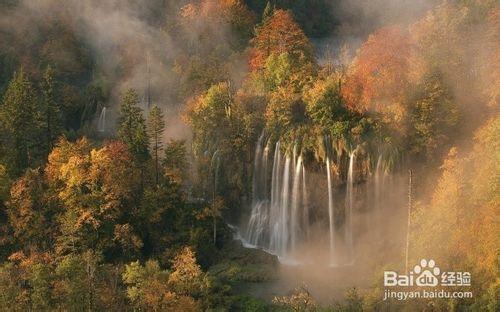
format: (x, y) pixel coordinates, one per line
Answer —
(248, 155)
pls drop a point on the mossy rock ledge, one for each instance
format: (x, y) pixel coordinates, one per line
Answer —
(240, 264)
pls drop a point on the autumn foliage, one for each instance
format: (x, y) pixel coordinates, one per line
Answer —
(128, 212)
(279, 34)
(379, 75)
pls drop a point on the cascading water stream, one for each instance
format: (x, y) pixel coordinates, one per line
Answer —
(305, 203)
(284, 210)
(257, 193)
(101, 125)
(274, 223)
(378, 188)
(349, 207)
(280, 223)
(378, 181)
(296, 193)
(330, 211)
(257, 223)
(263, 177)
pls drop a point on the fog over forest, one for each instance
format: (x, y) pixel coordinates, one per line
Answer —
(249, 155)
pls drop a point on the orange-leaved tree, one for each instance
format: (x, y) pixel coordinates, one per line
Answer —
(279, 34)
(379, 74)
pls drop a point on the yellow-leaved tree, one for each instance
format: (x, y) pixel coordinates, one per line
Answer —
(459, 227)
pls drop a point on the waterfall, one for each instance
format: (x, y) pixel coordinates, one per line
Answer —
(274, 222)
(257, 172)
(349, 206)
(275, 182)
(379, 180)
(279, 223)
(259, 218)
(296, 200)
(101, 125)
(284, 211)
(330, 210)
(279, 220)
(264, 176)
(305, 203)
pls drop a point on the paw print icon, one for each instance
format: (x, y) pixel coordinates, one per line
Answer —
(427, 272)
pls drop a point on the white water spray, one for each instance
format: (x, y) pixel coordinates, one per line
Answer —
(284, 208)
(331, 218)
(101, 125)
(305, 203)
(379, 183)
(349, 207)
(281, 223)
(257, 224)
(296, 198)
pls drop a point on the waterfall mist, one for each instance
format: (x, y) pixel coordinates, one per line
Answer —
(335, 227)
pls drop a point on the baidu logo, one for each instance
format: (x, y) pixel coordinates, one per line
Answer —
(427, 274)
(429, 283)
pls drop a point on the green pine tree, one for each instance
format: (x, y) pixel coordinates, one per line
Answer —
(51, 113)
(132, 129)
(19, 118)
(156, 127)
(132, 126)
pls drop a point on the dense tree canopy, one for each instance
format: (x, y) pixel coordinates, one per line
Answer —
(108, 202)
